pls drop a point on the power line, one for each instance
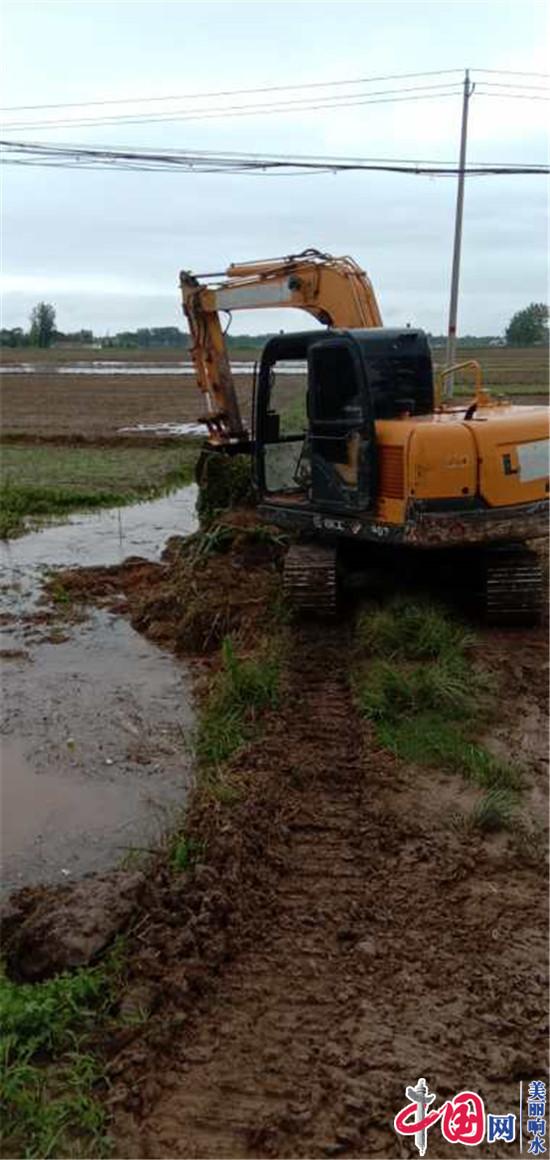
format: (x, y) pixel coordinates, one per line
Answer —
(509, 96)
(231, 92)
(515, 85)
(32, 153)
(351, 100)
(347, 100)
(511, 72)
(145, 152)
(261, 89)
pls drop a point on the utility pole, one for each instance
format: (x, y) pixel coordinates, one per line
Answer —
(453, 306)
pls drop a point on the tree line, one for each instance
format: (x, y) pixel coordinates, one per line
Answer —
(527, 327)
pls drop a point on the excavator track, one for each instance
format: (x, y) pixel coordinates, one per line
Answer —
(513, 586)
(310, 580)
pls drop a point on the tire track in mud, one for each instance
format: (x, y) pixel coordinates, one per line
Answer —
(285, 999)
(396, 947)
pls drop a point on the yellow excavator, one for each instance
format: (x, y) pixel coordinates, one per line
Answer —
(361, 451)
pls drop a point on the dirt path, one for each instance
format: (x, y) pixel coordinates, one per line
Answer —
(284, 1000)
(393, 946)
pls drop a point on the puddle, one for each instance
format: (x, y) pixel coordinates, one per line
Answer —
(164, 429)
(96, 752)
(103, 537)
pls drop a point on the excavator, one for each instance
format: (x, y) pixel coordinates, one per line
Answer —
(361, 452)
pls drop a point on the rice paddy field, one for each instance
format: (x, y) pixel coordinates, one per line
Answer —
(92, 395)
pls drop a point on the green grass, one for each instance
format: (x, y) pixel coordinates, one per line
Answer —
(416, 630)
(503, 390)
(294, 417)
(239, 693)
(496, 810)
(184, 852)
(49, 1104)
(415, 681)
(37, 482)
(429, 738)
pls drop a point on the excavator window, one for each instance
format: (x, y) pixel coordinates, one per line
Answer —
(340, 423)
(285, 424)
(336, 389)
(314, 431)
(288, 395)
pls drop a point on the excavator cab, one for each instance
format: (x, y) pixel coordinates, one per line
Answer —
(315, 440)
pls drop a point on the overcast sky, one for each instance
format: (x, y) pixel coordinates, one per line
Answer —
(106, 247)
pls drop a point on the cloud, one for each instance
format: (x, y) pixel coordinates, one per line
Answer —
(107, 247)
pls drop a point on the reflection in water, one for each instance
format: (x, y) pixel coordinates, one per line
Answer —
(100, 367)
(104, 537)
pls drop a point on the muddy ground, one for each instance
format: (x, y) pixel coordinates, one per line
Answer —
(373, 944)
(95, 407)
(339, 936)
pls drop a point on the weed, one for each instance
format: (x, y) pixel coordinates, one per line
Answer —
(185, 852)
(134, 858)
(48, 1079)
(249, 682)
(415, 630)
(240, 691)
(227, 795)
(57, 591)
(425, 712)
(429, 739)
(386, 691)
(220, 537)
(217, 538)
(221, 731)
(495, 810)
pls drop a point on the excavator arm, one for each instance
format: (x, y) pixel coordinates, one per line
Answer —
(334, 290)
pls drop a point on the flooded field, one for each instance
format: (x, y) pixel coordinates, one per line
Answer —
(96, 720)
(106, 367)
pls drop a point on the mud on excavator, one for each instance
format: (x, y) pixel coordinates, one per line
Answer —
(372, 456)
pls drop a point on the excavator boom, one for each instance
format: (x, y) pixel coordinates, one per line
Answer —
(334, 290)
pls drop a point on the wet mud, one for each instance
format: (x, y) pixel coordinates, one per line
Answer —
(340, 939)
(96, 751)
(338, 935)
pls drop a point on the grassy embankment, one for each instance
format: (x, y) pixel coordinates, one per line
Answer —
(40, 482)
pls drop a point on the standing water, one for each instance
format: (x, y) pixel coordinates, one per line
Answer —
(96, 722)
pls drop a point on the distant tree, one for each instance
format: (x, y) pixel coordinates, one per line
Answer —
(42, 324)
(14, 337)
(529, 327)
